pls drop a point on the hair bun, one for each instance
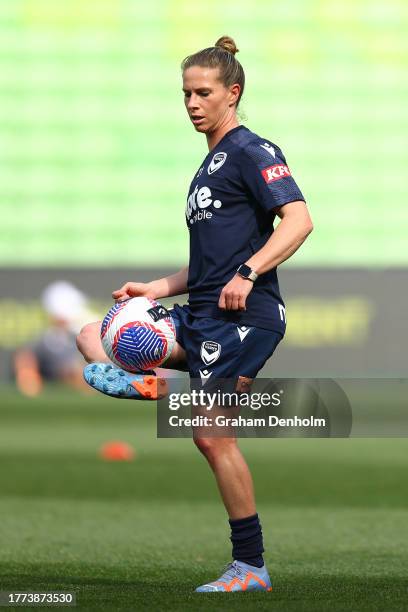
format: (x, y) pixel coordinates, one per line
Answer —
(228, 44)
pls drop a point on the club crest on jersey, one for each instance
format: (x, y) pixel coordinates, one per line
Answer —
(210, 351)
(216, 162)
(275, 173)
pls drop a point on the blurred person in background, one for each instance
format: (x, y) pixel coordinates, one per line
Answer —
(53, 357)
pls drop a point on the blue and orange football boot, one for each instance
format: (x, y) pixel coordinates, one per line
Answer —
(239, 576)
(114, 381)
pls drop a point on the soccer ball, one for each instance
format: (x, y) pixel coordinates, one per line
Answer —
(138, 334)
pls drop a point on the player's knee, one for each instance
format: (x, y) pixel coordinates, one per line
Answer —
(212, 448)
(82, 338)
(86, 339)
(203, 444)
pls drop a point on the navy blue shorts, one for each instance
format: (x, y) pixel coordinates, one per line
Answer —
(222, 349)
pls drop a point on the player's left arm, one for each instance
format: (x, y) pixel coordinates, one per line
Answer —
(288, 236)
(293, 229)
(268, 179)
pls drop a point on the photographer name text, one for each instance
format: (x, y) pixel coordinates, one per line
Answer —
(240, 421)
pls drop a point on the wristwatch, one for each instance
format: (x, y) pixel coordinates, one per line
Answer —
(247, 272)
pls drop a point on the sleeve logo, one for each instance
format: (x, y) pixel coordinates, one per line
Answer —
(269, 148)
(276, 172)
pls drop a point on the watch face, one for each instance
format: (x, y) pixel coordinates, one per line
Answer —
(244, 270)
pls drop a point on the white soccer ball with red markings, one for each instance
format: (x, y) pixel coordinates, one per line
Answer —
(138, 334)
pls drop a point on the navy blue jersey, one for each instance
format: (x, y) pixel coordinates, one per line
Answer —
(230, 214)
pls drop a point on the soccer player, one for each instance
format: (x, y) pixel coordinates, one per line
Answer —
(235, 316)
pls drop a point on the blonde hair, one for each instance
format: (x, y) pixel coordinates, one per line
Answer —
(221, 56)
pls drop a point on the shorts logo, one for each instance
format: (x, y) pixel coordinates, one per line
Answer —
(205, 375)
(216, 162)
(274, 173)
(243, 331)
(210, 351)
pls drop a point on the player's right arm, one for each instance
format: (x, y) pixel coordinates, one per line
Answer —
(175, 284)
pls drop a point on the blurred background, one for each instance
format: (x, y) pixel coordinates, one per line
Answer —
(96, 157)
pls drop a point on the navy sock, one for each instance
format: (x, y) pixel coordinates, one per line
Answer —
(246, 538)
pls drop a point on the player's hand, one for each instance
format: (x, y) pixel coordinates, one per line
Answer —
(130, 290)
(234, 294)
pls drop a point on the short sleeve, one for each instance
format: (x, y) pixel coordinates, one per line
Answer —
(267, 176)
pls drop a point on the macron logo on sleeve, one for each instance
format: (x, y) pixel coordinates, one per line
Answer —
(276, 172)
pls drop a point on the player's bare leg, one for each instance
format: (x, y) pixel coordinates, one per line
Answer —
(232, 474)
(247, 571)
(107, 378)
(234, 480)
(235, 484)
(90, 345)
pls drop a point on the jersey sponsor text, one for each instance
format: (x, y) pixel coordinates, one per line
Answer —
(200, 198)
(276, 172)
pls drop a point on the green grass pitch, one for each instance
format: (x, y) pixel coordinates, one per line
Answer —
(142, 535)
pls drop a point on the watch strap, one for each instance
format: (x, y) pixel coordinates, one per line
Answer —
(246, 272)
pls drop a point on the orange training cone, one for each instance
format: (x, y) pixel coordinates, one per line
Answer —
(117, 451)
